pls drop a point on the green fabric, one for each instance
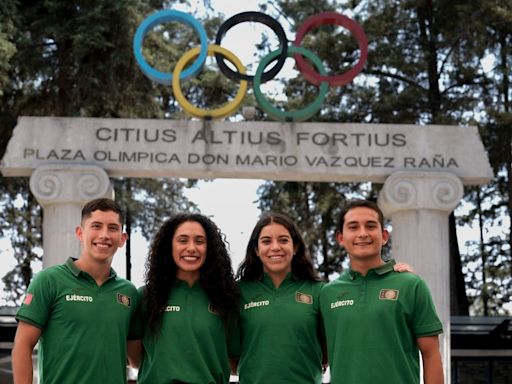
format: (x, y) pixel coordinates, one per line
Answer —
(191, 346)
(279, 332)
(372, 323)
(84, 327)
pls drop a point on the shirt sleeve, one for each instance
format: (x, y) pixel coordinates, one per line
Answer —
(38, 302)
(425, 321)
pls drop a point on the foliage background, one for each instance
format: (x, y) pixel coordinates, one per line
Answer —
(430, 62)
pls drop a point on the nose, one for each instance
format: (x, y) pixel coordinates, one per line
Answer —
(191, 246)
(276, 245)
(104, 233)
(362, 233)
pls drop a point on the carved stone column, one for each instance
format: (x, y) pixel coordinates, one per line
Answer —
(419, 204)
(62, 190)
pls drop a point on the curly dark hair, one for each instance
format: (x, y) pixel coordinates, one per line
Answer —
(251, 267)
(216, 274)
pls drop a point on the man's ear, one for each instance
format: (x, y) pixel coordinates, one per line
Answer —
(339, 237)
(124, 237)
(385, 236)
(78, 232)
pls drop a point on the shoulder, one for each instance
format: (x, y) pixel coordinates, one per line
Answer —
(50, 274)
(333, 283)
(126, 284)
(414, 284)
(247, 284)
(405, 277)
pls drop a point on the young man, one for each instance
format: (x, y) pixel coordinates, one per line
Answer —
(377, 319)
(80, 311)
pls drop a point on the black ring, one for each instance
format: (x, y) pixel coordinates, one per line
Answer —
(258, 17)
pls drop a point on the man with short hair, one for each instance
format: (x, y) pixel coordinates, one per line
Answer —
(377, 320)
(79, 311)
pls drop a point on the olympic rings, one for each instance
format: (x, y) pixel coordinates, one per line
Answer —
(331, 18)
(226, 110)
(301, 114)
(317, 77)
(261, 18)
(160, 18)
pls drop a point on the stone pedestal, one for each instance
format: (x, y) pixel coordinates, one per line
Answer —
(62, 190)
(419, 204)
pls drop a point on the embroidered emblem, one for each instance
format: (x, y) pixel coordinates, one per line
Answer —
(303, 298)
(28, 299)
(123, 299)
(388, 294)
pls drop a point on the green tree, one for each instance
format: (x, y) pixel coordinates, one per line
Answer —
(424, 67)
(74, 58)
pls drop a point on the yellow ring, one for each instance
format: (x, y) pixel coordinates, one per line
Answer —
(217, 113)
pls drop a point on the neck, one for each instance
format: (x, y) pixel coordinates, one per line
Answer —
(277, 278)
(98, 271)
(364, 265)
(189, 277)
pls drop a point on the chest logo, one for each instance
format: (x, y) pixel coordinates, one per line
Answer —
(84, 298)
(342, 303)
(389, 294)
(253, 304)
(303, 298)
(172, 308)
(123, 299)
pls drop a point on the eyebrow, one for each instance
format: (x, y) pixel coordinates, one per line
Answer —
(279, 237)
(366, 222)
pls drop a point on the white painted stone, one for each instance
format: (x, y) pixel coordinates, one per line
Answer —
(62, 190)
(418, 205)
(422, 168)
(260, 150)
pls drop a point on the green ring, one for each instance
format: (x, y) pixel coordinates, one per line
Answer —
(301, 114)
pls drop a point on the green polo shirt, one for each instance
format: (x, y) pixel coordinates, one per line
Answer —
(191, 346)
(279, 332)
(372, 323)
(84, 326)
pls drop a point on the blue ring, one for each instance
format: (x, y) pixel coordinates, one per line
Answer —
(160, 17)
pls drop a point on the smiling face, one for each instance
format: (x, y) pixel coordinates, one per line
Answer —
(189, 250)
(275, 250)
(101, 235)
(362, 235)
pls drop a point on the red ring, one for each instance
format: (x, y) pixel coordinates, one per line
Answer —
(307, 70)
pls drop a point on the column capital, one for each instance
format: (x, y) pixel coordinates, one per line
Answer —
(404, 191)
(55, 183)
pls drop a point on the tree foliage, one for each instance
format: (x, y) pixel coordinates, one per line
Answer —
(425, 66)
(75, 59)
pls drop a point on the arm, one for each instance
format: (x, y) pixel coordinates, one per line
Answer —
(134, 350)
(25, 340)
(432, 364)
(403, 267)
(233, 363)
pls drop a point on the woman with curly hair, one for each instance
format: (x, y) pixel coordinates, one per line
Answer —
(280, 329)
(188, 305)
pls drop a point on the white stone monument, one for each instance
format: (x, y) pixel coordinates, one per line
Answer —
(423, 169)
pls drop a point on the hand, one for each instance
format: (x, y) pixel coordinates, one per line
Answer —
(403, 267)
